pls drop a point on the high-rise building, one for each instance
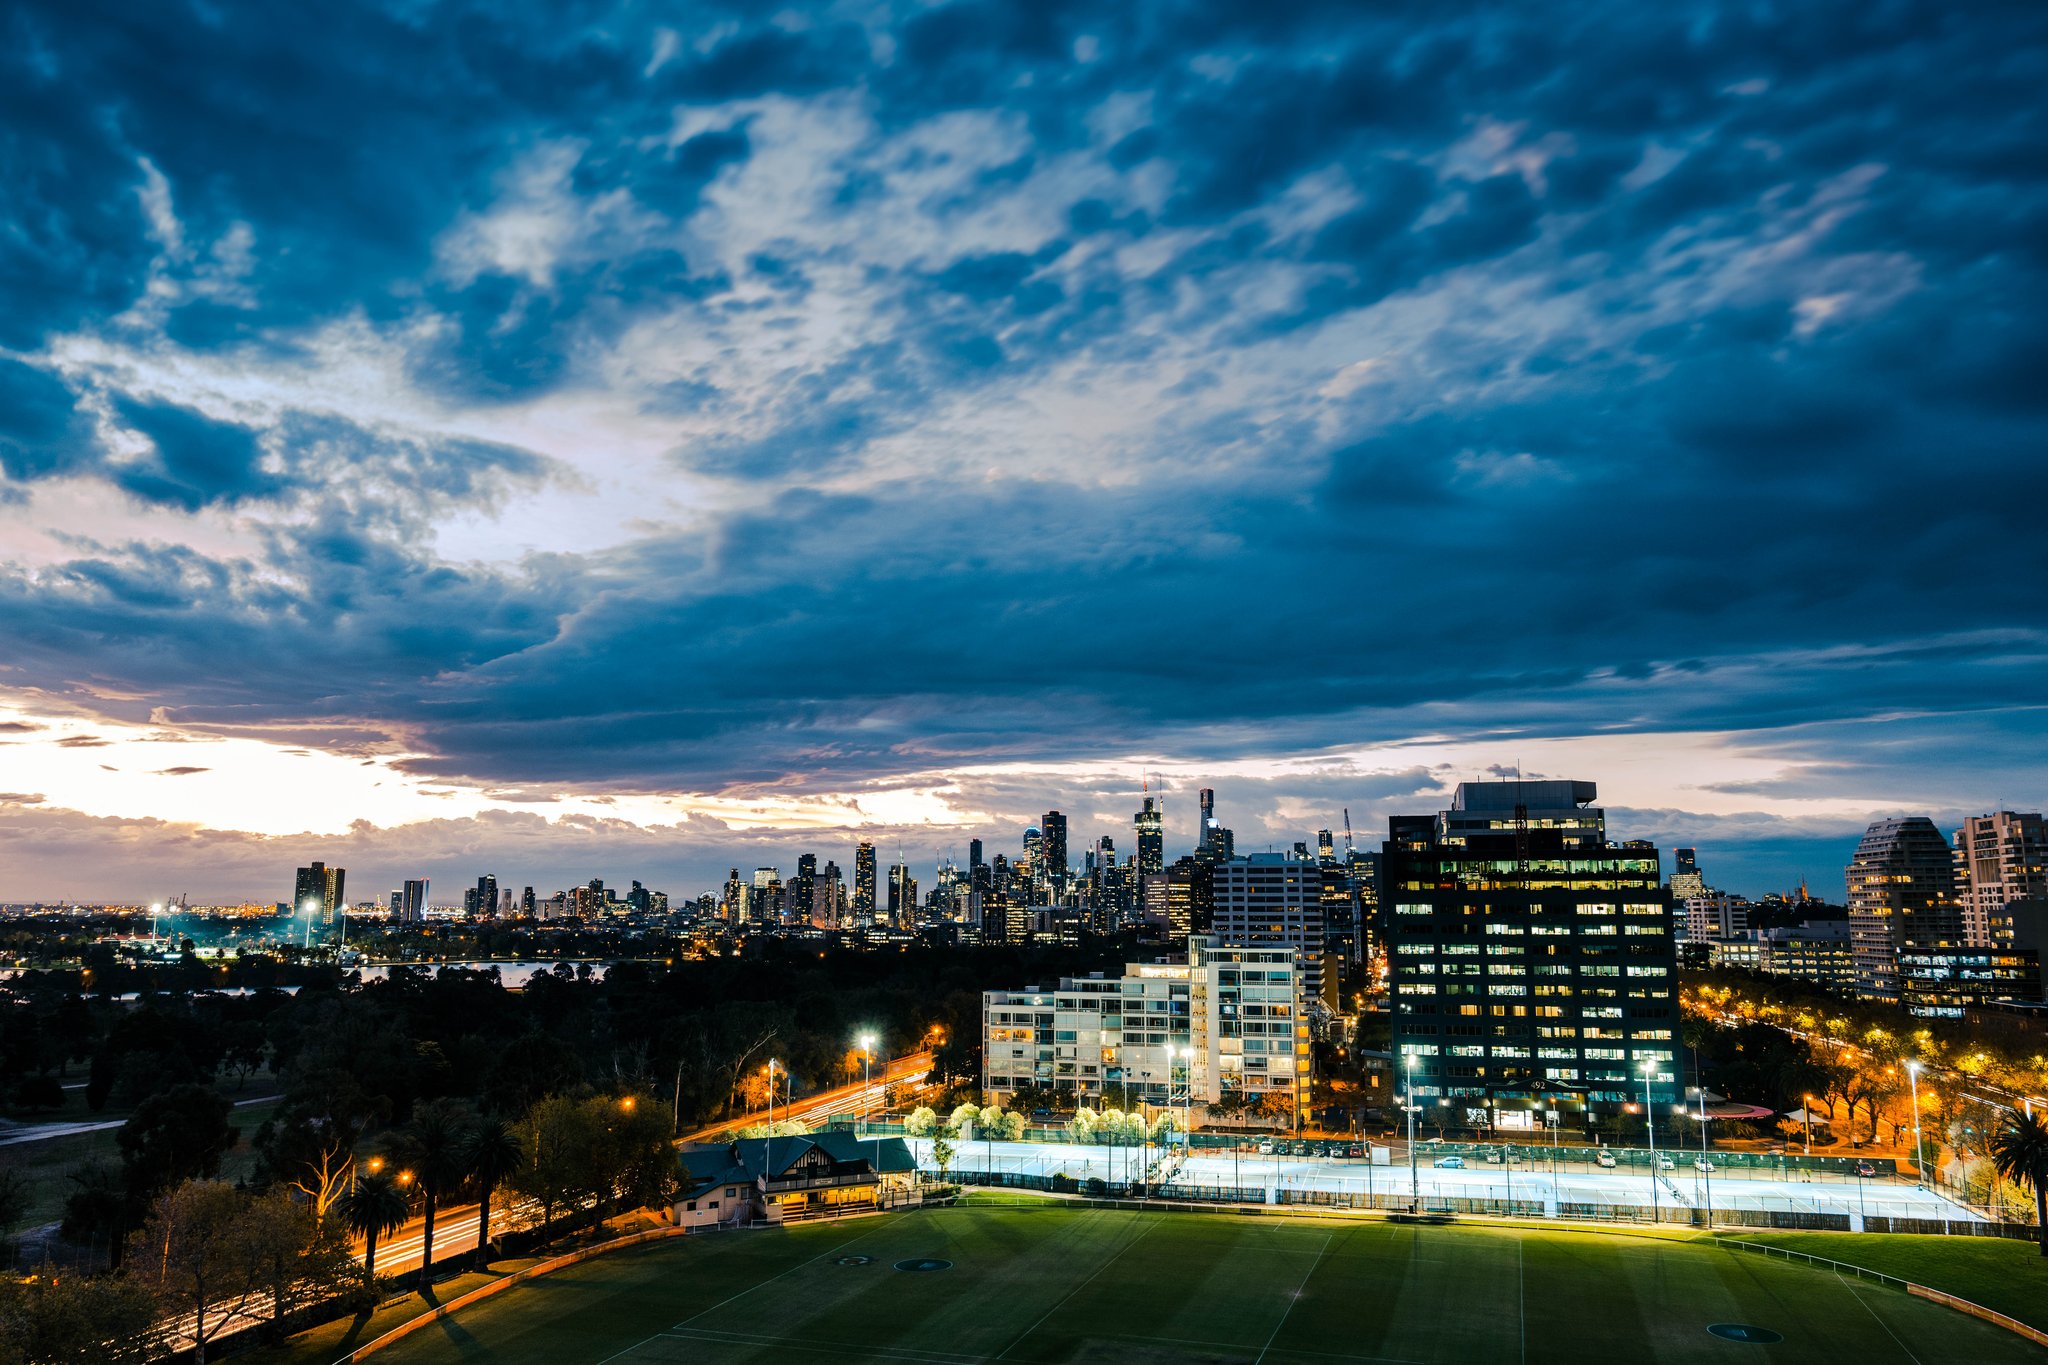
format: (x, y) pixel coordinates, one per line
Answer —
(802, 890)
(864, 883)
(973, 854)
(1275, 898)
(1227, 1023)
(526, 903)
(1533, 965)
(1714, 917)
(1901, 895)
(902, 896)
(1190, 898)
(765, 906)
(2000, 858)
(1052, 847)
(1151, 829)
(1326, 846)
(317, 890)
(412, 908)
(484, 900)
(1686, 881)
(825, 897)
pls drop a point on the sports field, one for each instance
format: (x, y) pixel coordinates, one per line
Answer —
(954, 1286)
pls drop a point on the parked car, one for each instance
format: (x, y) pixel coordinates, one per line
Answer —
(1702, 1165)
(1354, 1150)
(1663, 1162)
(1865, 1169)
(1495, 1156)
(1451, 1163)
(1605, 1158)
(1266, 1148)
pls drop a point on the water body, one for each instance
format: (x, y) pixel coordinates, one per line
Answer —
(515, 975)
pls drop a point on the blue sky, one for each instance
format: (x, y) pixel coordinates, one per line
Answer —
(622, 441)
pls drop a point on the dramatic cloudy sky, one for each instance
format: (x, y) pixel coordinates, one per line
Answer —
(587, 441)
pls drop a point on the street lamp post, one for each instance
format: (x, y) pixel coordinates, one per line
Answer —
(1650, 1127)
(1806, 1113)
(1414, 1177)
(771, 1097)
(1913, 1080)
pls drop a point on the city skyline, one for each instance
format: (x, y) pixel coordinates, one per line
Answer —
(633, 449)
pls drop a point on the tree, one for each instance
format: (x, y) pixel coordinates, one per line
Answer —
(962, 1116)
(431, 1147)
(2019, 1151)
(196, 1251)
(176, 1135)
(373, 1208)
(86, 1319)
(555, 1136)
(492, 1154)
(13, 1204)
(920, 1121)
(942, 1155)
(310, 1143)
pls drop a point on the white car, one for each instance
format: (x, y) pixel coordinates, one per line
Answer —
(1663, 1162)
(1702, 1165)
(1605, 1160)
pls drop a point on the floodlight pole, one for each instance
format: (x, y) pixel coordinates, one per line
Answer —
(1414, 1178)
(1650, 1125)
(1912, 1079)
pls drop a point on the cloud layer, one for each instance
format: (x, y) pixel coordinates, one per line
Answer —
(816, 406)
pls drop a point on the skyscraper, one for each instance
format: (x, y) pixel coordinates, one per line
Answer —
(526, 902)
(1533, 961)
(1901, 895)
(864, 883)
(973, 854)
(1326, 846)
(413, 907)
(1053, 848)
(317, 890)
(2000, 858)
(1151, 830)
(1686, 882)
(485, 902)
(902, 896)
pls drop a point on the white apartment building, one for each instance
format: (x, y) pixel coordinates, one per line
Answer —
(1275, 898)
(1715, 916)
(1227, 1020)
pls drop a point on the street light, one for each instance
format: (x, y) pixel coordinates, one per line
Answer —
(867, 1086)
(1913, 1080)
(1806, 1112)
(1650, 1126)
(771, 1096)
(1414, 1179)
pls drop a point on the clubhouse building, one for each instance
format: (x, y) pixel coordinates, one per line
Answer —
(753, 1180)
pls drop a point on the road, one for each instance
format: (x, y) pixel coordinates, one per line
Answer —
(42, 1131)
(859, 1097)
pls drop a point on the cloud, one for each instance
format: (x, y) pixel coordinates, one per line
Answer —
(181, 771)
(810, 406)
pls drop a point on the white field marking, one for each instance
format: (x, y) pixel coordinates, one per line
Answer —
(1295, 1298)
(707, 1334)
(1880, 1321)
(1291, 1351)
(1107, 1261)
(778, 1275)
(1522, 1294)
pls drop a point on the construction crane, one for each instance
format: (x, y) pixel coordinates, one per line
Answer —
(1347, 834)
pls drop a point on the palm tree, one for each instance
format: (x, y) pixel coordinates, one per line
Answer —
(2020, 1154)
(432, 1146)
(491, 1153)
(371, 1208)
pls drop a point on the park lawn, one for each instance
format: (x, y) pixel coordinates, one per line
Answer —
(47, 1164)
(1053, 1284)
(2010, 1277)
(330, 1342)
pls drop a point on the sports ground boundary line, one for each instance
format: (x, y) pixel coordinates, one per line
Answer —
(1360, 1216)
